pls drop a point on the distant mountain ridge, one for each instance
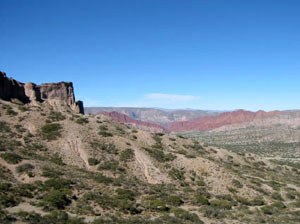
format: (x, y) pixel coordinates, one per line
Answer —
(122, 118)
(154, 115)
(223, 119)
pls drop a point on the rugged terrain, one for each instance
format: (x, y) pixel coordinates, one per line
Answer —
(60, 166)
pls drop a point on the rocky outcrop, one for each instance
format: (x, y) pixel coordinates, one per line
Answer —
(227, 118)
(122, 118)
(56, 94)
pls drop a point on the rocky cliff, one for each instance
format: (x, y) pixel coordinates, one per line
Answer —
(56, 94)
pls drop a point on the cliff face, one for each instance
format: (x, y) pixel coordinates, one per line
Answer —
(56, 94)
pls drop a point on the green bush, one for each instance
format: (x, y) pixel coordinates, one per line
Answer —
(25, 168)
(57, 184)
(82, 120)
(23, 108)
(221, 204)
(51, 173)
(112, 165)
(11, 112)
(186, 217)
(8, 200)
(57, 159)
(173, 200)
(51, 131)
(160, 156)
(125, 194)
(237, 183)
(277, 196)
(11, 158)
(105, 134)
(56, 199)
(200, 200)
(126, 155)
(56, 116)
(4, 127)
(93, 161)
(100, 178)
(156, 205)
(176, 174)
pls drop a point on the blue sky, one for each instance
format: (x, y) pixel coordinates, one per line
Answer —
(202, 54)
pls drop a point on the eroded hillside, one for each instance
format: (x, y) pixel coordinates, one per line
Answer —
(58, 166)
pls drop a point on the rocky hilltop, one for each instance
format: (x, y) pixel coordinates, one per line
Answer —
(56, 94)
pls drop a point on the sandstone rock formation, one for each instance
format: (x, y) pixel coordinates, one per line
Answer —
(56, 94)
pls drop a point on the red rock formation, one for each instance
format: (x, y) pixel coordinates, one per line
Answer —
(56, 94)
(227, 118)
(122, 118)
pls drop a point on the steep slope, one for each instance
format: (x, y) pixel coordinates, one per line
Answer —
(158, 116)
(122, 118)
(226, 118)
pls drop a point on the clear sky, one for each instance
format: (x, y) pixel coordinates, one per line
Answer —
(202, 54)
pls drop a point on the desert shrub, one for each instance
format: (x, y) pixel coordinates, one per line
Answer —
(237, 183)
(279, 205)
(100, 178)
(226, 197)
(156, 205)
(160, 156)
(126, 155)
(8, 200)
(277, 196)
(112, 165)
(51, 131)
(105, 134)
(51, 173)
(24, 190)
(268, 210)
(173, 200)
(107, 148)
(82, 120)
(200, 199)
(212, 212)
(23, 108)
(125, 194)
(11, 158)
(4, 127)
(11, 112)
(185, 216)
(56, 116)
(5, 218)
(55, 217)
(221, 204)
(172, 139)
(55, 158)
(56, 199)
(177, 174)
(93, 161)
(57, 184)
(25, 168)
